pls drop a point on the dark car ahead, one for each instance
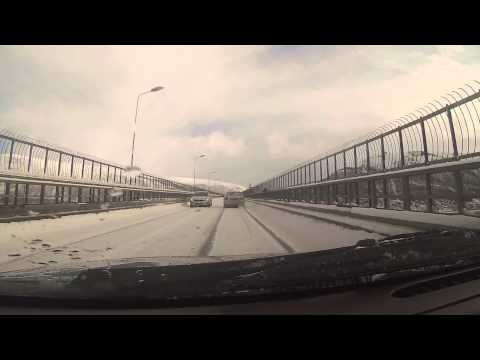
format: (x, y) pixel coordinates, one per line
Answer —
(233, 199)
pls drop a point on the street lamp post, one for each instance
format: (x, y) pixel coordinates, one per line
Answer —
(156, 88)
(194, 167)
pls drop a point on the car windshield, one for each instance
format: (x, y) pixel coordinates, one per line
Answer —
(292, 150)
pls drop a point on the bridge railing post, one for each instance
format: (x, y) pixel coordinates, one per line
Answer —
(7, 193)
(367, 151)
(428, 185)
(29, 167)
(71, 166)
(402, 153)
(424, 141)
(357, 192)
(320, 170)
(83, 168)
(15, 195)
(59, 164)
(328, 170)
(372, 201)
(385, 193)
(46, 162)
(10, 156)
(452, 133)
(335, 164)
(42, 194)
(382, 145)
(355, 159)
(27, 190)
(406, 192)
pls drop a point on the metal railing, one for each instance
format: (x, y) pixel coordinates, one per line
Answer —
(446, 132)
(34, 164)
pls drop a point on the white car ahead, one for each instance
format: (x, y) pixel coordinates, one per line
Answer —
(200, 198)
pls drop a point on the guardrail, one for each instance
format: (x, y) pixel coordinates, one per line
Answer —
(34, 172)
(427, 161)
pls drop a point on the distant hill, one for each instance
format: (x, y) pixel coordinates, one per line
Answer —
(215, 185)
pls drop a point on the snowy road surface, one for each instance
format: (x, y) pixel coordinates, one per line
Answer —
(171, 230)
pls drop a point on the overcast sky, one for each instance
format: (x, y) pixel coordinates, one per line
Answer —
(253, 110)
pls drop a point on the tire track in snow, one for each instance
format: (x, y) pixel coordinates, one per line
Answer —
(323, 219)
(277, 238)
(208, 245)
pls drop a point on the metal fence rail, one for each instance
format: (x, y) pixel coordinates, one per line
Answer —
(35, 172)
(442, 132)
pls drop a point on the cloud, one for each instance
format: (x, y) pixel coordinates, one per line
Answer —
(280, 147)
(254, 110)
